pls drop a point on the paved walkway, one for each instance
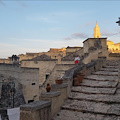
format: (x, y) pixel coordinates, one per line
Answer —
(96, 98)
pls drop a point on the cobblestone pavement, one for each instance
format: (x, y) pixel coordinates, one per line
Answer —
(96, 98)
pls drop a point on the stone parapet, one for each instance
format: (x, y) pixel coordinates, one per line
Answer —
(55, 98)
(63, 88)
(59, 86)
(50, 94)
(39, 110)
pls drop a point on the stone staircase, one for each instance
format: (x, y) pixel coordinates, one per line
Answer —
(96, 98)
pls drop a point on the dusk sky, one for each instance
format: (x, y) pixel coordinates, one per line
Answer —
(37, 26)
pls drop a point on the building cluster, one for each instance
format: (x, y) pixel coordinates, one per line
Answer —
(34, 70)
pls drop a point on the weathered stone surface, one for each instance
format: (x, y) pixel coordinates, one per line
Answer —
(106, 73)
(92, 107)
(109, 69)
(74, 115)
(118, 91)
(93, 83)
(95, 97)
(102, 78)
(59, 86)
(50, 94)
(83, 89)
(35, 105)
(111, 66)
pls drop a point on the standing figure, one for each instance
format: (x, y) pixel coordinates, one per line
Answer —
(77, 59)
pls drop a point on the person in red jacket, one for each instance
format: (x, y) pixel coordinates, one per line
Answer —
(77, 59)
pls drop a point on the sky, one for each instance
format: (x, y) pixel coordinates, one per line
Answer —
(38, 25)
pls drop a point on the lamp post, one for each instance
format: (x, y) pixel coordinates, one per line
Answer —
(118, 21)
(119, 25)
(119, 47)
(12, 91)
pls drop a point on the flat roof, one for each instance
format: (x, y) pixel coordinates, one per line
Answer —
(93, 38)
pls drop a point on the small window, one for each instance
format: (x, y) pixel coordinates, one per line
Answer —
(46, 76)
(33, 83)
(29, 101)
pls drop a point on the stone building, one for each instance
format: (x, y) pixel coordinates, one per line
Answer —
(112, 48)
(37, 68)
(70, 50)
(44, 63)
(53, 53)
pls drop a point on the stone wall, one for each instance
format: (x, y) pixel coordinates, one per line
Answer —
(58, 72)
(93, 55)
(80, 52)
(4, 60)
(67, 62)
(94, 48)
(45, 67)
(70, 50)
(27, 77)
(8, 99)
(39, 110)
(97, 43)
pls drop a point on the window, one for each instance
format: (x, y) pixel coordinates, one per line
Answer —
(47, 75)
(33, 83)
(29, 101)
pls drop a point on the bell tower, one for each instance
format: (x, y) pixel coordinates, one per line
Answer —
(96, 33)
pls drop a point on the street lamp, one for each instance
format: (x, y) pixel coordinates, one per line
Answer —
(118, 21)
(119, 25)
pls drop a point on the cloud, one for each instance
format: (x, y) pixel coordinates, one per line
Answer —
(105, 33)
(109, 34)
(79, 35)
(67, 38)
(76, 36)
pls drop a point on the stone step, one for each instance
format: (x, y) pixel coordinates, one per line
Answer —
(112, 67)
(93, 83)
(95, 97)
(102, 78)
(106, 73)
(108, 69)
(92, 107)
(118, 91)
(112, 63)
(74, 115)
(90, 90)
